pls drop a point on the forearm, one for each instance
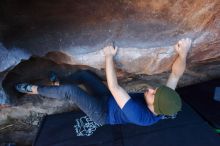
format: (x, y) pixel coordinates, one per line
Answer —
(179, 66)
(120, 95)
(178, 69)
(110, 73)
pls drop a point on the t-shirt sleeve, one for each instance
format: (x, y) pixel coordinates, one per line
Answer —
(139, 114)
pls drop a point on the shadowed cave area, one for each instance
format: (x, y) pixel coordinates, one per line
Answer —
(39, 36)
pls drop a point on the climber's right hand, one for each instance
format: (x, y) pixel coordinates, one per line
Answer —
(110, 51)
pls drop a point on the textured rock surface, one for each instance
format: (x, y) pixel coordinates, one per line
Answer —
(73, 32)
(144, 30)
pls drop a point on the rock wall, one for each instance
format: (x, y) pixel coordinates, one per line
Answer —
(145, 31)
(73, 32)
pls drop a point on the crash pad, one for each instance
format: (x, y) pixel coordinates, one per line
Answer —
(75, 128)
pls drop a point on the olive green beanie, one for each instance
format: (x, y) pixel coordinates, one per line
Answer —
(166, 101)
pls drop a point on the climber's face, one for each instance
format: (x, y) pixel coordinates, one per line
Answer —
(149, 95)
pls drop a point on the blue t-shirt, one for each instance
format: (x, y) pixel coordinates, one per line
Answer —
(134, 111)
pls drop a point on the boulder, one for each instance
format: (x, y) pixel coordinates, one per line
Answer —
(144, 31)
(70, 34)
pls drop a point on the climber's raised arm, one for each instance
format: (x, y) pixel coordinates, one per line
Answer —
(182, 47)
(120, 95)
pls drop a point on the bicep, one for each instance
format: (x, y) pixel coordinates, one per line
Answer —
(120, 95)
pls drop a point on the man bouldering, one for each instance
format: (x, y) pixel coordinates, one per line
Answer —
(113, 105)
